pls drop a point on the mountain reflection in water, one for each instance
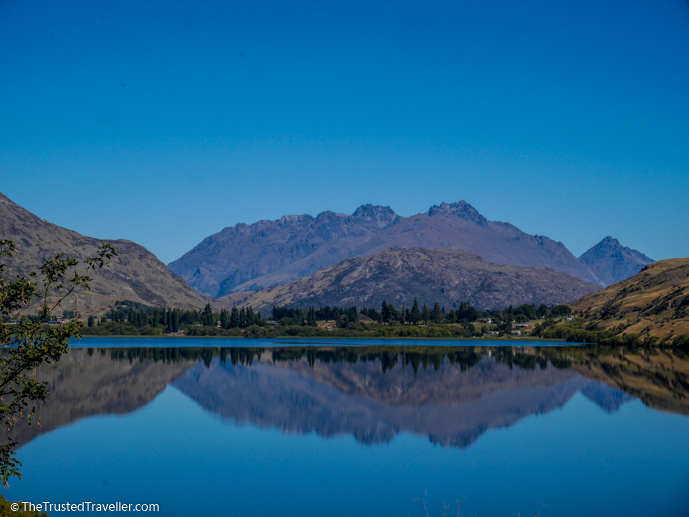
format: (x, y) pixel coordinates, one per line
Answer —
(450, 395)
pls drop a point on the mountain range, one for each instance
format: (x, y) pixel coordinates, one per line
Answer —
(450, 253)
(269, 253)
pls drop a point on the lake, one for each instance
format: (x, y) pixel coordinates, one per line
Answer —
(361, 428)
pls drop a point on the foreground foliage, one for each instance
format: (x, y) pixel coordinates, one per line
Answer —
(28, 344)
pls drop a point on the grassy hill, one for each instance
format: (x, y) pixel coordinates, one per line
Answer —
(652, 303)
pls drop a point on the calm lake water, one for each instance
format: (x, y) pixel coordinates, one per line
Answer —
(308, 428)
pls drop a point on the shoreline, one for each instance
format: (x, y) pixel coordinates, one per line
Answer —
(385, 338)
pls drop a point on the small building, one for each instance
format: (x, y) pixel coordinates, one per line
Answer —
(516, 332)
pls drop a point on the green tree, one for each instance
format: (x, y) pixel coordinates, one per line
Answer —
(311, 319)
(510, 314)
(415, 313)
(29, 344)
(385, 312)
(207, 316)
(250, 316)
(133, 318)
(6, 509)
(542, 310)
(224, 319)
(437, 315)
(560, 311)
(425, 313)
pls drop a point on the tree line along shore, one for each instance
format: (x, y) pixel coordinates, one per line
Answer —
(526, 321)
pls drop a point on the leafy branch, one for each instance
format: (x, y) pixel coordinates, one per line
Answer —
(29, 344)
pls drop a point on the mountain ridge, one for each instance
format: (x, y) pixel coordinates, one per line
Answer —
(270, 253)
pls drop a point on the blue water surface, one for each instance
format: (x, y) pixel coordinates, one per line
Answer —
(201, 447)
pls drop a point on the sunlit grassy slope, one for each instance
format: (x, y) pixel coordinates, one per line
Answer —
(654, 302)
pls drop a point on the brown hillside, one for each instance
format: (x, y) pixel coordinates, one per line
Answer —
(135, 275)
(654, 302)
(398, 275)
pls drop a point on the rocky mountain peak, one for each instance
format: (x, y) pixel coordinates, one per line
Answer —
(611, 262)
(461, 209)
(608, 242)
(371, 211)
(277, 253)
(610, 245)
(381, 215)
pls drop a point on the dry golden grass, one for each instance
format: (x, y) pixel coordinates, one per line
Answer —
(654, 302)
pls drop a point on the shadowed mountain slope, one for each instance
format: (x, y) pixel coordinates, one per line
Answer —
(269, 253)
(136, 274)
(398, 275)
(610, 262)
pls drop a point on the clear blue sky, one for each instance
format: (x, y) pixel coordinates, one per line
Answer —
(163, 122)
